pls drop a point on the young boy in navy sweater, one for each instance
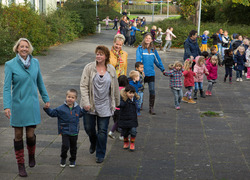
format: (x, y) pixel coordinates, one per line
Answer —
(68, 116)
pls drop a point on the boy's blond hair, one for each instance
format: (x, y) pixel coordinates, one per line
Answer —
(187, 64)
(133, 74)
(206, 31)
(215, 58)
(154, 27)
(72, 91)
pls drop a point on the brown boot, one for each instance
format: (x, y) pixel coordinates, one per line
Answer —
(191, 101)
(151, 104)
(19, 152)
(31, 146)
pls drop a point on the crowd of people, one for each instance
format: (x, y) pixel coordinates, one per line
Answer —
(107, 90)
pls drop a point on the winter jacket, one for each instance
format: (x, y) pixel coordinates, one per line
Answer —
(199, 71)
(169, 35)
(87, 91)
(225, 41)
(113, 59)
(204, 39)
(153, 33)
(133, 31)
(191, 48)
(240, 60)
(212, 69)
(67, 120)
(236, 44)
(148, 60)
(228, 61)
(20, 93)
(215, 38)
(175, 78)
(128, 112)
(159, 37)
(136, 84)
(189, 78)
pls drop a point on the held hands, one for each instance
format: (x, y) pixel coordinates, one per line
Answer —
(7, 113)
(47, 105)
(87, 108)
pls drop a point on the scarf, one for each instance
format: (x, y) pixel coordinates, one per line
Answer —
(26, 62)
(120, 69)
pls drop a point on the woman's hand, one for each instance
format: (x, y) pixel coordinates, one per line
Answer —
(87, 108)
(7, 113)
(47, 105)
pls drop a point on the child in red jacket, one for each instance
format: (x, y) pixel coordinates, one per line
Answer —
(188, 81)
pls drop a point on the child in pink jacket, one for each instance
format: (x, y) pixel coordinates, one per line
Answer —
(212, 67)
(199, 69)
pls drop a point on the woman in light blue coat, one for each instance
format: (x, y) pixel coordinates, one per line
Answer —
(21, 101)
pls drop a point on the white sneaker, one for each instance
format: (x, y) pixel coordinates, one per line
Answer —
(245, 74)
(121, 138)
(111, 135)
(237, 79)
(241, 80)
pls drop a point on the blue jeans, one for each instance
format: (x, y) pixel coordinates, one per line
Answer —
(129, 131)
(198, 85)
(100, 138)
(140, 101)
(219, 48)
(177, 96)
(151, 87)
(239, 74)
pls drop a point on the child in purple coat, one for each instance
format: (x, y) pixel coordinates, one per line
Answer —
(212, 67)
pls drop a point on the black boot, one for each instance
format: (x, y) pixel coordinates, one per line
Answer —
(151, 104)
(195, 94)
(225, 79)
(202, 93)
(31, 146)
(19, 152)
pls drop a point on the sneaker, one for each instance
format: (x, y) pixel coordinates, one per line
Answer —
(191, 101)
(178, 108)
(138, 114)
(185, 99)
(237, 79)
(63, 162)
(72, 164)
(207, 93)
(210, 93)
(99, 160)
(121, 138)
(241, 80)
(111, 135)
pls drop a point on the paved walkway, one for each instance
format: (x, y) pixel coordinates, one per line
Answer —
(170, 145)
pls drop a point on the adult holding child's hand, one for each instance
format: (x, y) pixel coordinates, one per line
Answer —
(148, 55)
(99, 96)
(20, 97)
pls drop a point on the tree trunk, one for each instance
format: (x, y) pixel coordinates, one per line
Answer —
(196, 16)
(108, 3)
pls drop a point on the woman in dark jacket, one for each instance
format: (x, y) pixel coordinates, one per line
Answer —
(191, 46)
(128, 116)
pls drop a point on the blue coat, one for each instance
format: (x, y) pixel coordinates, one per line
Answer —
(136, 84)
(240, 60)
(148, 60)
(20, 92)
(191, 48)
(67, 120)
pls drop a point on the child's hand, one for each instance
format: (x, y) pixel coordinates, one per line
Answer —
(143, 74)
(87, 108)
(207, 73)
(235, 64)
(47, 105)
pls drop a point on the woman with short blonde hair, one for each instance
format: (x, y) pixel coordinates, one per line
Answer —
(118, 57)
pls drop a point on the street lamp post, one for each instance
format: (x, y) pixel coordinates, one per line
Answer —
(168, 9)
(199, 21)
(153, 10)
(96, 8)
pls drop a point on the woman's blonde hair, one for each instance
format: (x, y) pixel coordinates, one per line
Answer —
(215, 58)
(18, 43)
(133, 74)
(177, 63)
(119, 37)
(187, 64)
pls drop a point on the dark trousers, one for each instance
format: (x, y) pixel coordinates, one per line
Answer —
(115, 26)
(132, 40)
(228, 71)
(129, 131)
(69, 142)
